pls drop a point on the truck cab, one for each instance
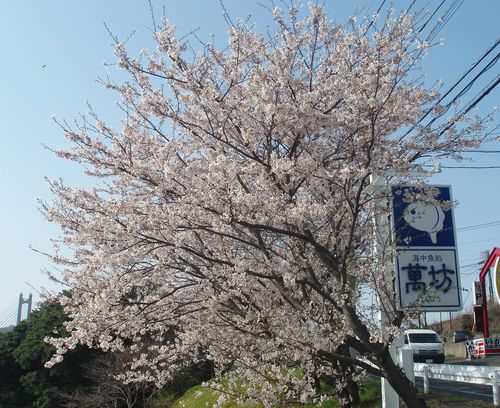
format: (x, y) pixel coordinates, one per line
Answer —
(425, 344)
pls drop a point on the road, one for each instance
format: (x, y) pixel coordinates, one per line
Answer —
(488, 361)
(465, 390)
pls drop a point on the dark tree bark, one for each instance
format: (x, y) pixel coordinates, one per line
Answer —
(400, 382)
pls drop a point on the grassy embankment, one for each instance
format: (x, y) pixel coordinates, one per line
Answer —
(201, 397)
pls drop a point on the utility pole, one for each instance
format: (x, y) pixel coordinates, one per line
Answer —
(23, 301)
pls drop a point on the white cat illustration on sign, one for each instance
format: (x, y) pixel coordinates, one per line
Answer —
(425, 217)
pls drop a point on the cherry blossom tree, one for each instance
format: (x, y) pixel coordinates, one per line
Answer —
(232, 214)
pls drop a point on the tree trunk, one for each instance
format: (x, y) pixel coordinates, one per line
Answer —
(347, 372)
(353, 389)
(396, 377)
(349, 393)
(400, 382)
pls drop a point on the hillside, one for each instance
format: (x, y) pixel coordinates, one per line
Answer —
(465, 321)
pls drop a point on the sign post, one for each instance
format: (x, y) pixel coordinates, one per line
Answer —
(477, 293)
(390, 398)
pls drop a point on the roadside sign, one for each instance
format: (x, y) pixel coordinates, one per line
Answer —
(477, 292)
(427, 261)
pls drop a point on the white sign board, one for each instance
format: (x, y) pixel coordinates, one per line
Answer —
(477, 291)
(496, 279)
(427, 260)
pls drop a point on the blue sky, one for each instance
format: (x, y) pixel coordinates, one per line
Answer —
(54, 50)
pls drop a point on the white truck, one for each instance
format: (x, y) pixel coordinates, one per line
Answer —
(426, 345)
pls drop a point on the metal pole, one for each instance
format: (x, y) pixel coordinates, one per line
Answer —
(494, 384)
(390, 398)
(405, 357)
(426, 379)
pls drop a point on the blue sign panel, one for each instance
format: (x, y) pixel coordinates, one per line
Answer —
(422, 223)
(427, 264)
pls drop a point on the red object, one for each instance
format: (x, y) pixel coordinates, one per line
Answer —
(479, 348)
(478, 318)
(495, 253)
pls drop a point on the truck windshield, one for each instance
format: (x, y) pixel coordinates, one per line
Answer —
(424, 338)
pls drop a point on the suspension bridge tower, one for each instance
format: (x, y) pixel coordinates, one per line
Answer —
(22, 302)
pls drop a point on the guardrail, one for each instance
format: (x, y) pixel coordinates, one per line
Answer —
(461, 373)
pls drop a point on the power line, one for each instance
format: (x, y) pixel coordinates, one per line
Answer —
(464, 167)
(467, 297)
(411, 5)
(457, 82)
(470, 265)
(443, 20)
(373, 19)
(476, 258)
(471, 167)
(466, 88)
(480, 240)
(478, 226)
(486, 90)
(432, 15)
(482, 151)
(439, 25)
